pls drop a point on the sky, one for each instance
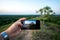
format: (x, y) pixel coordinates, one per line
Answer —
(27, 6)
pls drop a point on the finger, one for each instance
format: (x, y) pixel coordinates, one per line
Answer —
(19, 24)
(22, 19)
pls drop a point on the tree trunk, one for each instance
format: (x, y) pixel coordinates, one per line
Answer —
(42, 24)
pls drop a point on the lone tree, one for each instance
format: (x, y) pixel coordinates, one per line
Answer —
(45, 13)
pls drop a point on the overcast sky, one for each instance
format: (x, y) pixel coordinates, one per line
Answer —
(29, 6)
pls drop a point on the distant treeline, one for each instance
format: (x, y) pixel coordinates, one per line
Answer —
(6, 19)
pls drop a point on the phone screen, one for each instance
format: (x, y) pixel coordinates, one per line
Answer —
(31, 24)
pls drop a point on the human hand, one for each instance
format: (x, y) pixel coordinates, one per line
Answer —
(14, 29)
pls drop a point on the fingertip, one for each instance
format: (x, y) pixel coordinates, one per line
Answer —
(22, 19)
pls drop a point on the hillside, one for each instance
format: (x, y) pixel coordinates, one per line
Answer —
(51, 30)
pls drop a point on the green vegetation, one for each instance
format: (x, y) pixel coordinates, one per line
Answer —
(4, 27)
(50, 32)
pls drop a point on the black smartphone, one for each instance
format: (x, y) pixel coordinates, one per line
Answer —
(31, 24)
